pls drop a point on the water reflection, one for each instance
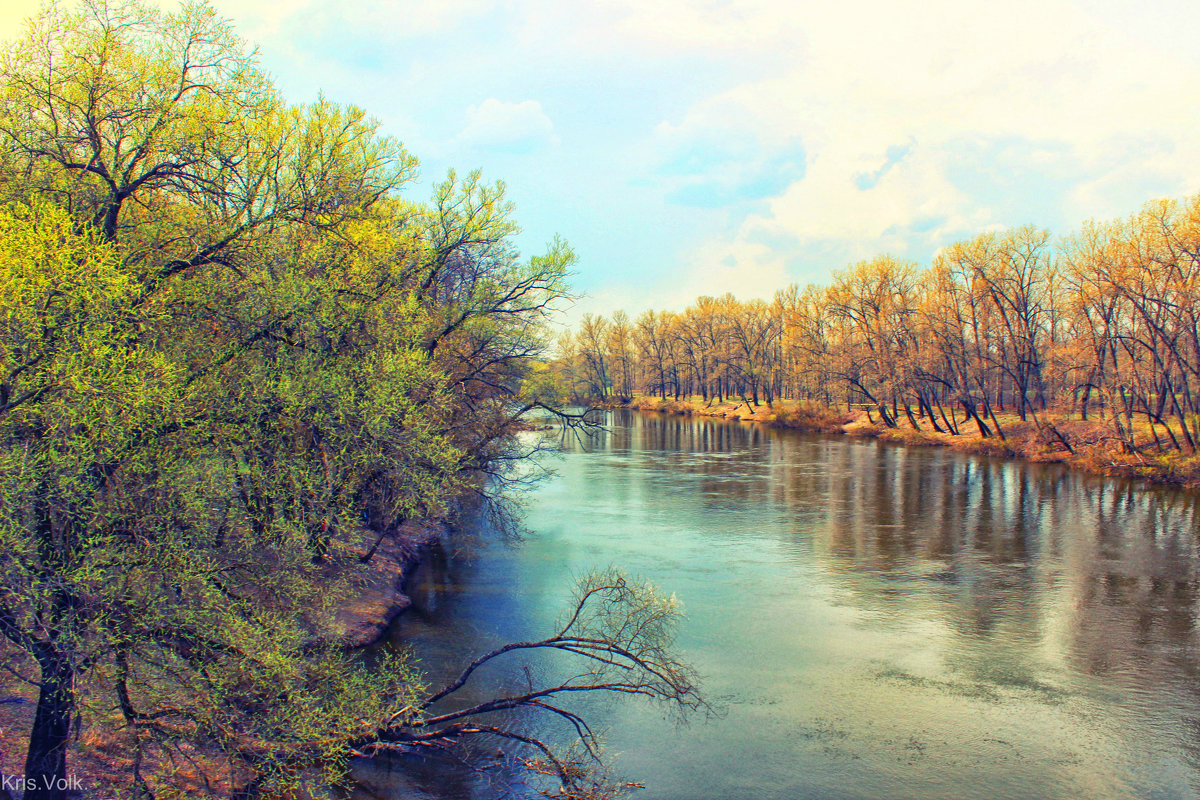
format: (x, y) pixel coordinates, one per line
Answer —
(881, 621)
(1011, 546)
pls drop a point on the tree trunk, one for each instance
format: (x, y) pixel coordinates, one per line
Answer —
(969, 407)
(911, 419)
(888, 420)
(46, 762)
(925, 407)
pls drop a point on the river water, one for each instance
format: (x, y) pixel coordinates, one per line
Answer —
(874, 621)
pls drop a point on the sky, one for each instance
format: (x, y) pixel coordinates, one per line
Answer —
(689, 147)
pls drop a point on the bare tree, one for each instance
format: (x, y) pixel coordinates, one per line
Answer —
(620, 634)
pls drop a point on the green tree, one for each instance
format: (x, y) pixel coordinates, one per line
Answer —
(168, 536)
(233, 356)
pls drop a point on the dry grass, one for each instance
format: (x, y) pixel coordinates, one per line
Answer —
(812, 417)
(911, 437)
(1096, 448)
(680, 408)
(799, 416)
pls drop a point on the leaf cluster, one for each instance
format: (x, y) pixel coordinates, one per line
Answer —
(232, 355)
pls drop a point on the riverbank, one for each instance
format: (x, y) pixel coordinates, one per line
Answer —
(1094, 447)
(101, 760)
(362, 620)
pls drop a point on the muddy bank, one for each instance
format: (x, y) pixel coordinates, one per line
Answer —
(380, 597)
(1094, 448)
(100, 759)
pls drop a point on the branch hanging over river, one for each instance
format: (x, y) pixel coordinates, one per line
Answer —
(621, 632)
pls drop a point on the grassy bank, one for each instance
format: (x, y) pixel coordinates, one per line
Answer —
(1096, 448)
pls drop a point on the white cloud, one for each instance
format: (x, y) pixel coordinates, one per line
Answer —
(509, 127)
(745, 268)
(749, 270)
(1042, 111)
(1107, 112)
(827, 203)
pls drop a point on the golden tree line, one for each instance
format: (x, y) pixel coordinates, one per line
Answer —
(1105, 322)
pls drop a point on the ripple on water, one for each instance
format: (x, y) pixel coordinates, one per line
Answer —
(876, 623)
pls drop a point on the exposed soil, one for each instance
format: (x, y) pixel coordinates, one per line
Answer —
(100, 760)
(1096, 449)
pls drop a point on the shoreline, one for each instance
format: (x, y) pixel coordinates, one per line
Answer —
(380, 598)
(370, 611)
(1094, 454)
(363, 620)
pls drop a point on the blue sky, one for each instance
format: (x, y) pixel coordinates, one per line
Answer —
(689, 147)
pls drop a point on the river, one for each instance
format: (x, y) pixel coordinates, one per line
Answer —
(874, 621)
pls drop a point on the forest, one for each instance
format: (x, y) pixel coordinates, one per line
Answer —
(1101, 326)
(235, 356)
(238, 353)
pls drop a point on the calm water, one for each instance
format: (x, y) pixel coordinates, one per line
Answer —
(875, 621)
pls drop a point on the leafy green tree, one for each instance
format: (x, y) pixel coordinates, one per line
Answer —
(215, 359)
(233, 355)
(169, 532)
(73, 394)
(160, 129)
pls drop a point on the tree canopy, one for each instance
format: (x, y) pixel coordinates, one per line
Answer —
(1102, 320)
(232, 350)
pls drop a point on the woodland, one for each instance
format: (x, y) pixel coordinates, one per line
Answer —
(234, 352)
(1099, 327)
(237, 353)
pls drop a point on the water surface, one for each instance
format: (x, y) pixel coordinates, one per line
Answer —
(875, 621)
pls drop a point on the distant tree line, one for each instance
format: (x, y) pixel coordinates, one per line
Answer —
(1106, 321)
